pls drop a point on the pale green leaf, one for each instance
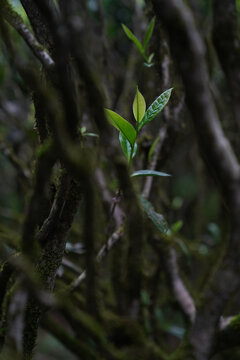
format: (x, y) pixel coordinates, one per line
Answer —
(155, 108)
(91, 134)
(122, 125)
(148, 33)
(148, 65)
(83, 129)
(150, 58)
(157, 219)
(149, 173)
(139, 106)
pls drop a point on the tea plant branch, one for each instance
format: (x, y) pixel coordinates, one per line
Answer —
(220, 156)
(179, 289)
(168, 125)
(168, 257)
(228, 335)
(39, 22)
(6, 272)
(70, 265)
(156, 148)
(50, 260)
(18, 264)
(68, 340)
(117, 214)
(227, 44)
(22, 170)
(103, 252)
(43, 170)
(49, 224)
(15, 20)
(53, 250)
(128, 142)
(152, 166)
(228, 168)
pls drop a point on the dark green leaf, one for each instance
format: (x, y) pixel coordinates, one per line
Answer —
(126, 147)
(155, 108)
(149, 173)
(122, 125)
(148, 33)
(157, 219)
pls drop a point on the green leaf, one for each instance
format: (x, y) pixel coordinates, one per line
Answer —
(176, 227)
(152, 148)
(155, 108)
(133, 38)
(91, 134)
(145, 298)
(148, 65)
(150, 58)
(126, 147)
(83, 130)
(139, 106)
(157, 219)
(122, 125)
(149, 173)
(148, 33)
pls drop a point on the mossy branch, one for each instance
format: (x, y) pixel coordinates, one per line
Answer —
(15, 20)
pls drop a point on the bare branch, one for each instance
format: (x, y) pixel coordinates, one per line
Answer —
(179, 289)
(168, 257)
(114, 238)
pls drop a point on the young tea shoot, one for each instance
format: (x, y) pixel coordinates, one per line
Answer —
(142, 47)
(128, 140)
(128, 134)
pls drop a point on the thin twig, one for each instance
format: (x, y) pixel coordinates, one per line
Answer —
(23, 172)
(100, 256)
(70, 265)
